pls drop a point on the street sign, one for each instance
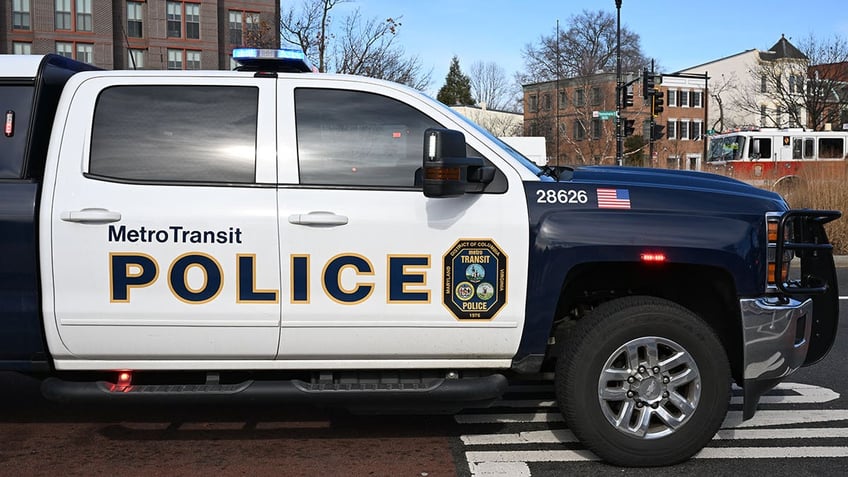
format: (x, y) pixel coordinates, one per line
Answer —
(603, 114)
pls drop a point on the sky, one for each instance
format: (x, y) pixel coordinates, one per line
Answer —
(677, 34)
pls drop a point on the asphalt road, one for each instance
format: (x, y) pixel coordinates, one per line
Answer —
(800, 429)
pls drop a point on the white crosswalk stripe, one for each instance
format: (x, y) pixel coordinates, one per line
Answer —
(511, 453)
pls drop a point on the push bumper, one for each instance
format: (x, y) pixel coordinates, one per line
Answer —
(776, 338)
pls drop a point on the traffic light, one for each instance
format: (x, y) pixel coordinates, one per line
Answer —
(657, 133)
(647, 84)
(657, 103)
(627, 96)
(629, 126)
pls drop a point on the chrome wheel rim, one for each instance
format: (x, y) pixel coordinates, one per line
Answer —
(649, 387)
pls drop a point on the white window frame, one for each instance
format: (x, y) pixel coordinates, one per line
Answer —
(684, 98)
(672, 97)
(65, 48)
(84, 16)
(137, 57)
(683, 124)
(21, 47)
(21, 9)
(84, 52)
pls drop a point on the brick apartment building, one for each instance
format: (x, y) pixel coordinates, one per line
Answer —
(574, 116)
(140, 34)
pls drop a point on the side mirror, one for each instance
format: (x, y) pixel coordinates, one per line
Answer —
(446, 169)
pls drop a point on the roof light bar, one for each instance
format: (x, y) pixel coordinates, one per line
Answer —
(264, 59)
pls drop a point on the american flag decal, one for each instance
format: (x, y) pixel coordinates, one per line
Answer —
(613, 199)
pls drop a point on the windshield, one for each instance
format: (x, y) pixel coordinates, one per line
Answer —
(726, 148)
(520, 158)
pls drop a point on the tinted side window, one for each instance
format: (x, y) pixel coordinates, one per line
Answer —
(353, 138)
(831, 148)
(175, 133)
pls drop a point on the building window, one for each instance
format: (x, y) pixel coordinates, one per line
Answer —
(671, 97)
(84, 16)
(563, 99)
(235, 28)
(136, 59)
(20, 15)
(79, 51)
(243, 24)
(192, 60)
(579, 98)
(796, 84)
(85, 52)
(695, 132)
(596, 96)
(65, 49)
(579, 130)
(134, 20)
(534, 102)
(175, 59)
(670, 129)
(175, 21)
(546, 100)
(684, 130)
(763, 84)
(696, 99)
(794, 114)
(596, 129)
(21, 48)
(192, 16)
(179, 12)
(63, 15)
(684, 99)
(183, 59)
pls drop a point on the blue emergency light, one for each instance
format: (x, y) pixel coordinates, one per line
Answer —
(286, 60)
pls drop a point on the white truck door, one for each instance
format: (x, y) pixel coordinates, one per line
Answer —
(160, 233)
(379, 274)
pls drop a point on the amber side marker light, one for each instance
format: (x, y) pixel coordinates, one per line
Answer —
(771, 232)
(443, 173)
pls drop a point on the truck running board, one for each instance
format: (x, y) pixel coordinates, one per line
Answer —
(448, 394)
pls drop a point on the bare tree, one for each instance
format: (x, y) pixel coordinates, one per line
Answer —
(721, 89)
(826, 94)
(586, 46)
(805, 90)
(363, 47)
(308, 27)
(491, 86)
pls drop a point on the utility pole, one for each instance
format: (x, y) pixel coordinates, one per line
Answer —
(619, 145)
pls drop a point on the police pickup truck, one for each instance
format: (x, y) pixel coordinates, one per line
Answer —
(277, 234)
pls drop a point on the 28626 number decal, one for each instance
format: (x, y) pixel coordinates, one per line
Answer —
(561, 196)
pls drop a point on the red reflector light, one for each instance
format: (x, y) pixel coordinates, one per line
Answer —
(9, 130)
(653, 257)
(124, 379)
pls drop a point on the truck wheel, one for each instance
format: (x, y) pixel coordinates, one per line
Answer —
(642, 382)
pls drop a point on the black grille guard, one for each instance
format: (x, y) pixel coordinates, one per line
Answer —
(809, 243)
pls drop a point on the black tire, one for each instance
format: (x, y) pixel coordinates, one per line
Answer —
(676, 406)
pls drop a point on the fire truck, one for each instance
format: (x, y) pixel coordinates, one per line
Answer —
(779, 159)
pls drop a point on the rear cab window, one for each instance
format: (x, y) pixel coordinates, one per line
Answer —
(15, 105)
(175, 133)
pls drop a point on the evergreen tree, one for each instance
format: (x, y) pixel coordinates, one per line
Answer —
(457, 88)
